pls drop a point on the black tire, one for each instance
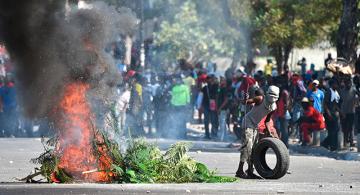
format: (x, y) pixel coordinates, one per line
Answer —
(282, 158)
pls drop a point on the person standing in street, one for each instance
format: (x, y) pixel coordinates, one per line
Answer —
(302, 64)
(180, 100)
(349, 100)
(328, 60)
(297, 92)
(264, 106)
(9, 107)
(122, 104)
(2, 117)
(331, 114)
(223, 111)
(210, 92)
(317, 95)
(134, 118)
(268, 67)
(283, 116)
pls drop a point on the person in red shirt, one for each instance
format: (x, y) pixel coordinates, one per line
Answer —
(312, 120)
(246, 84)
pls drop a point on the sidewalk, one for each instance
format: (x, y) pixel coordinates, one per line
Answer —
(295, 148)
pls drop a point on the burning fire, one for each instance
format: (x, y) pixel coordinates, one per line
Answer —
(82, 153)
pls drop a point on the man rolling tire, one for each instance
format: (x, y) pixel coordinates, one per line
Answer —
(263, 107)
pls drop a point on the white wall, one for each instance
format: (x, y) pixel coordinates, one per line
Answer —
(312, 55)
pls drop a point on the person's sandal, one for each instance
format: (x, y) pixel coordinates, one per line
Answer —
(241, 175)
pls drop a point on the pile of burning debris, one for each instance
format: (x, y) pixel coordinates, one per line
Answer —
(93, 157)
(141, 163)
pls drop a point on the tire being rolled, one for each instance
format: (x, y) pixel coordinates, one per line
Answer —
(282, 158)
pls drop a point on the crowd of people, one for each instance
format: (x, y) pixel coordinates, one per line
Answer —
(8, 103)
(12, 122)
(161, 104)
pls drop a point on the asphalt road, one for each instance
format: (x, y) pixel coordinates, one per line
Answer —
(309, 175)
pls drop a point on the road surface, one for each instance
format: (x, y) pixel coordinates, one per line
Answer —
(309, 175)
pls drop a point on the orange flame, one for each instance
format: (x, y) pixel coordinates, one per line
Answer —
(77, 138)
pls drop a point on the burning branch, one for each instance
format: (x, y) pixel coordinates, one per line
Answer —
(90, 171)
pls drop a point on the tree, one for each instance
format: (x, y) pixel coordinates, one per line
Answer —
(187, 36)
(287, 24)
(207, 28)
(347, 38)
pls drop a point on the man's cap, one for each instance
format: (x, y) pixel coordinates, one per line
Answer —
(305, 100)
(273, 91)
(130, 73)
(316, 82)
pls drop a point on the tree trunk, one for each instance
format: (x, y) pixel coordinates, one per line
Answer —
(347, 37)
(281, 54)
(276, 51)
(287, 50)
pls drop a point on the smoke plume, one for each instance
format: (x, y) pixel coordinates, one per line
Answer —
(51, 48)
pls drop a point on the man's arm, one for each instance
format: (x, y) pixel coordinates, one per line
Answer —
(256, 100)
(326, 103)
(268, 117)
(286, 101)
(267, 125)
(224, 103)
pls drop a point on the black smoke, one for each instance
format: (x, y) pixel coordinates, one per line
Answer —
(51, 47)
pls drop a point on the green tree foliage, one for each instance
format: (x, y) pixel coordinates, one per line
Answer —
(287, 24)
(188, 36)
(201, 29)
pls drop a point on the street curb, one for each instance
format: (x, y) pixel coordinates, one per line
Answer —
(224, 147)
(321, 151)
